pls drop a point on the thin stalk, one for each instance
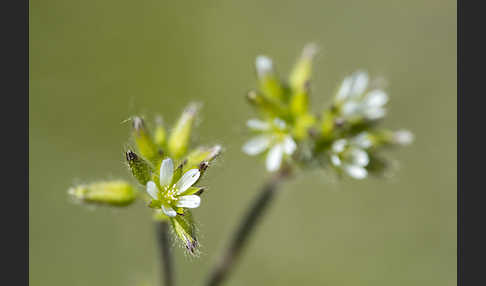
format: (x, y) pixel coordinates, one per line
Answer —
(166, 262)
(254, 213)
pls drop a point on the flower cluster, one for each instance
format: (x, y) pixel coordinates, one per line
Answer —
(170, 191)
(345, 136)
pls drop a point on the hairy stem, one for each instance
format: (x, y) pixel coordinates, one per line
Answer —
(240, 237)
(162, 230)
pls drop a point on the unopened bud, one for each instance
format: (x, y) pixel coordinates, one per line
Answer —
(267, 106)
(180, 135)
(140, 168)
(185, 231)
(202, 154)
(303, 68)
(269, 83)
(116, 193)
(143, 140)
(160, 135)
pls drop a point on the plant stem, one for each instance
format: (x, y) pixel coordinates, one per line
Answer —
(162, 230)
(253, 214)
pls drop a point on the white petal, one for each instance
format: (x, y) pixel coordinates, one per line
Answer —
(359, 157)
(166, 172)
(355, 171)
(257, 124)
(339, 145)
(363, 140)
(187, 180)
(350, 108)
(279, 123)
(169, 211)
(360, 82)
(257, 144)
(264, 65)
(374, 113)
(403, 137)
(152, 190)
(344, 90)
(190, 201)
(289, 145)
(376, 98)
(335, 160)
(274, 158)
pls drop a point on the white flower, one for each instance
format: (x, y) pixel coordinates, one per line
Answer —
(171, 195)
(274, 138)
(354, 101)
(349, 158)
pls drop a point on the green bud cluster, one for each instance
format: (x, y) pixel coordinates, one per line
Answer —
(289, 132)
(151, 148)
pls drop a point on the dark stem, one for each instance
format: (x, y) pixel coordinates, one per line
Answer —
(162, 229)
(253, 214)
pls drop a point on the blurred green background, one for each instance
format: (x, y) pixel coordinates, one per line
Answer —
(95, 63)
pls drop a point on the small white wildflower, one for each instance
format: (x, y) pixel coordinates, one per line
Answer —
(274, 138)
(350, 158)
(354, 101)
(171, 195)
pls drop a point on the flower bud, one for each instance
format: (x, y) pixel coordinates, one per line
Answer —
(143, 140)
(140, 168)
(299, 102)
(185, 231)
(302, 71)
(115, 193)
(201, 154)
(180, 135)
(269, 83)
(302, 125)
(160, 135)
(265, 105)
(328, 125)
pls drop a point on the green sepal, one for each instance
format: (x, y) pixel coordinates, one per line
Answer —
(160, 134)
(327, 125)
(143, 140)
(193, 191)
(178, 172)
(201, 154)
(114, 193)
(302, 125)
(185, 230)
(179, 137)
(302, 70)
(266, 106)
(271, 87)
(155, 204)
(140, 168)
(299, 102)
